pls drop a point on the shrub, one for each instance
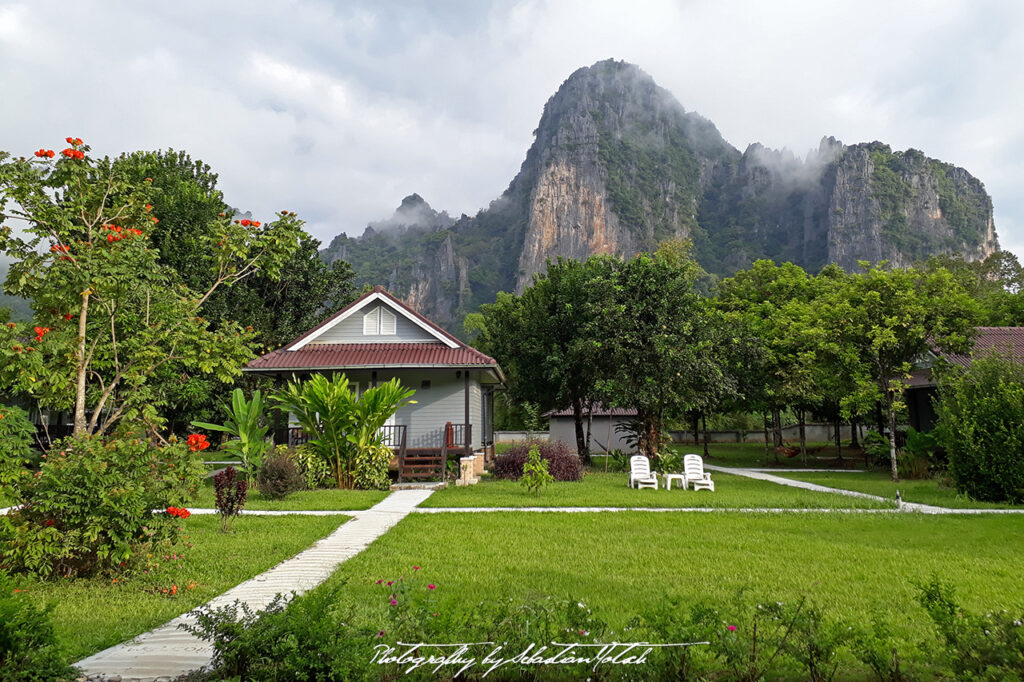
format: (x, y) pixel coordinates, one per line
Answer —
(17, 435)
(28, 647)
(371, 462)
(90, 505)
(563, 464)
(988, 647)
(279, 476)
(315, 470)
(535, 472)
(231, 493)
(981, 427)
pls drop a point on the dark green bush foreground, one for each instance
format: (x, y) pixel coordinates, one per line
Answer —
(981, 426)
(28, 646)
(318, 637)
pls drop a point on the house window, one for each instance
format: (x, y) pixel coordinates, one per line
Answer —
(380, 322)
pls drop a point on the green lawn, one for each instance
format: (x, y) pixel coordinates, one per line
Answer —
(927, 491)
(91, 615)
(610, 490)
(623, 563)
(304, 500)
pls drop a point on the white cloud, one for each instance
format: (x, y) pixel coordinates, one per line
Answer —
(337, 111)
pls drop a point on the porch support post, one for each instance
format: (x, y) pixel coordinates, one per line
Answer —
(468, 431)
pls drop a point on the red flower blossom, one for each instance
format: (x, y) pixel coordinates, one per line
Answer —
(255, 223)
(246, 222)
(49, 522)
(70, 153)
(197, 442)
(68, 316)
(69, 140)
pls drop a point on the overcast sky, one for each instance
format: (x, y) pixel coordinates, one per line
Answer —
(338, 110)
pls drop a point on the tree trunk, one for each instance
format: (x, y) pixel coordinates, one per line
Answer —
(892, 442)
(777, 427)
(801, 419)
(590, 424)
(767, 442)
(696, 436)
(879, 418)
(704, 429)
(839, 437)
(854, 437)
(80, 369)
(581, 443)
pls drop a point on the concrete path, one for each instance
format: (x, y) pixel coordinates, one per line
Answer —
(903, 506)
(169, 651)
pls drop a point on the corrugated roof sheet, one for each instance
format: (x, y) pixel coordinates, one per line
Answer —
(344, 355)
(1006, 340)
(598, 411)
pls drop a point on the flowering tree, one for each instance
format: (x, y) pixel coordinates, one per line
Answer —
(108, 314)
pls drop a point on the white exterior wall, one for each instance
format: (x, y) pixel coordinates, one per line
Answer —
(350, 330)
(443, 402)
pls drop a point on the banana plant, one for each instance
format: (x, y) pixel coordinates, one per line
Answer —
(249, 442)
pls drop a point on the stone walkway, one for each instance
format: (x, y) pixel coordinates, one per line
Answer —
(169, 651)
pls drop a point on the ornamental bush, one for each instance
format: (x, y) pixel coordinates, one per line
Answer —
(315, 471)
(90, 506)
(563, 464)
(29, 649)
(231, 493)
(279, 476)
(535, 472)
(981, 426)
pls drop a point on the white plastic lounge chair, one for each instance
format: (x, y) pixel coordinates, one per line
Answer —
(640, 474)
(693, 467)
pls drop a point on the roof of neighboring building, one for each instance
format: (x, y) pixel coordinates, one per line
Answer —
(599, 410)
(302, 354)
(1006, 340)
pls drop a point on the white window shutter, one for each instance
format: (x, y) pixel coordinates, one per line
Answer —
(370, 322)
(388, 322)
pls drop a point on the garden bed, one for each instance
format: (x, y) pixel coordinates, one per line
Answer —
(599, 489)
(92, 614)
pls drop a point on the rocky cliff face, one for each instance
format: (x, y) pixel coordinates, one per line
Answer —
(618, 166)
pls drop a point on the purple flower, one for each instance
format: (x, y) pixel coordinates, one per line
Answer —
(394, 602)
(431, 586)
(380, 634)
(732, 628)
(390, 583)
(415, 568)
(380, 581)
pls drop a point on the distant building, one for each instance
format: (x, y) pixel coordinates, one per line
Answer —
(603, 422)
(922, 389)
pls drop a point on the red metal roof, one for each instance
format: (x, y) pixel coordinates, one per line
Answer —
(346, 355)
(1005, 340)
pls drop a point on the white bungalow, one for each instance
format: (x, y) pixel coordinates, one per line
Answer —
(377, 338)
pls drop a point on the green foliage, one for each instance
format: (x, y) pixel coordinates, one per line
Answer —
(344, 430)
(535, 472)
(279, 476)
(111, 318)
(246, 425)
(981, 426)
(90, 505)
(976, 647)
(883, 320)
(666, 346)
(315, 471)
(29, 650)
(17, 436)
